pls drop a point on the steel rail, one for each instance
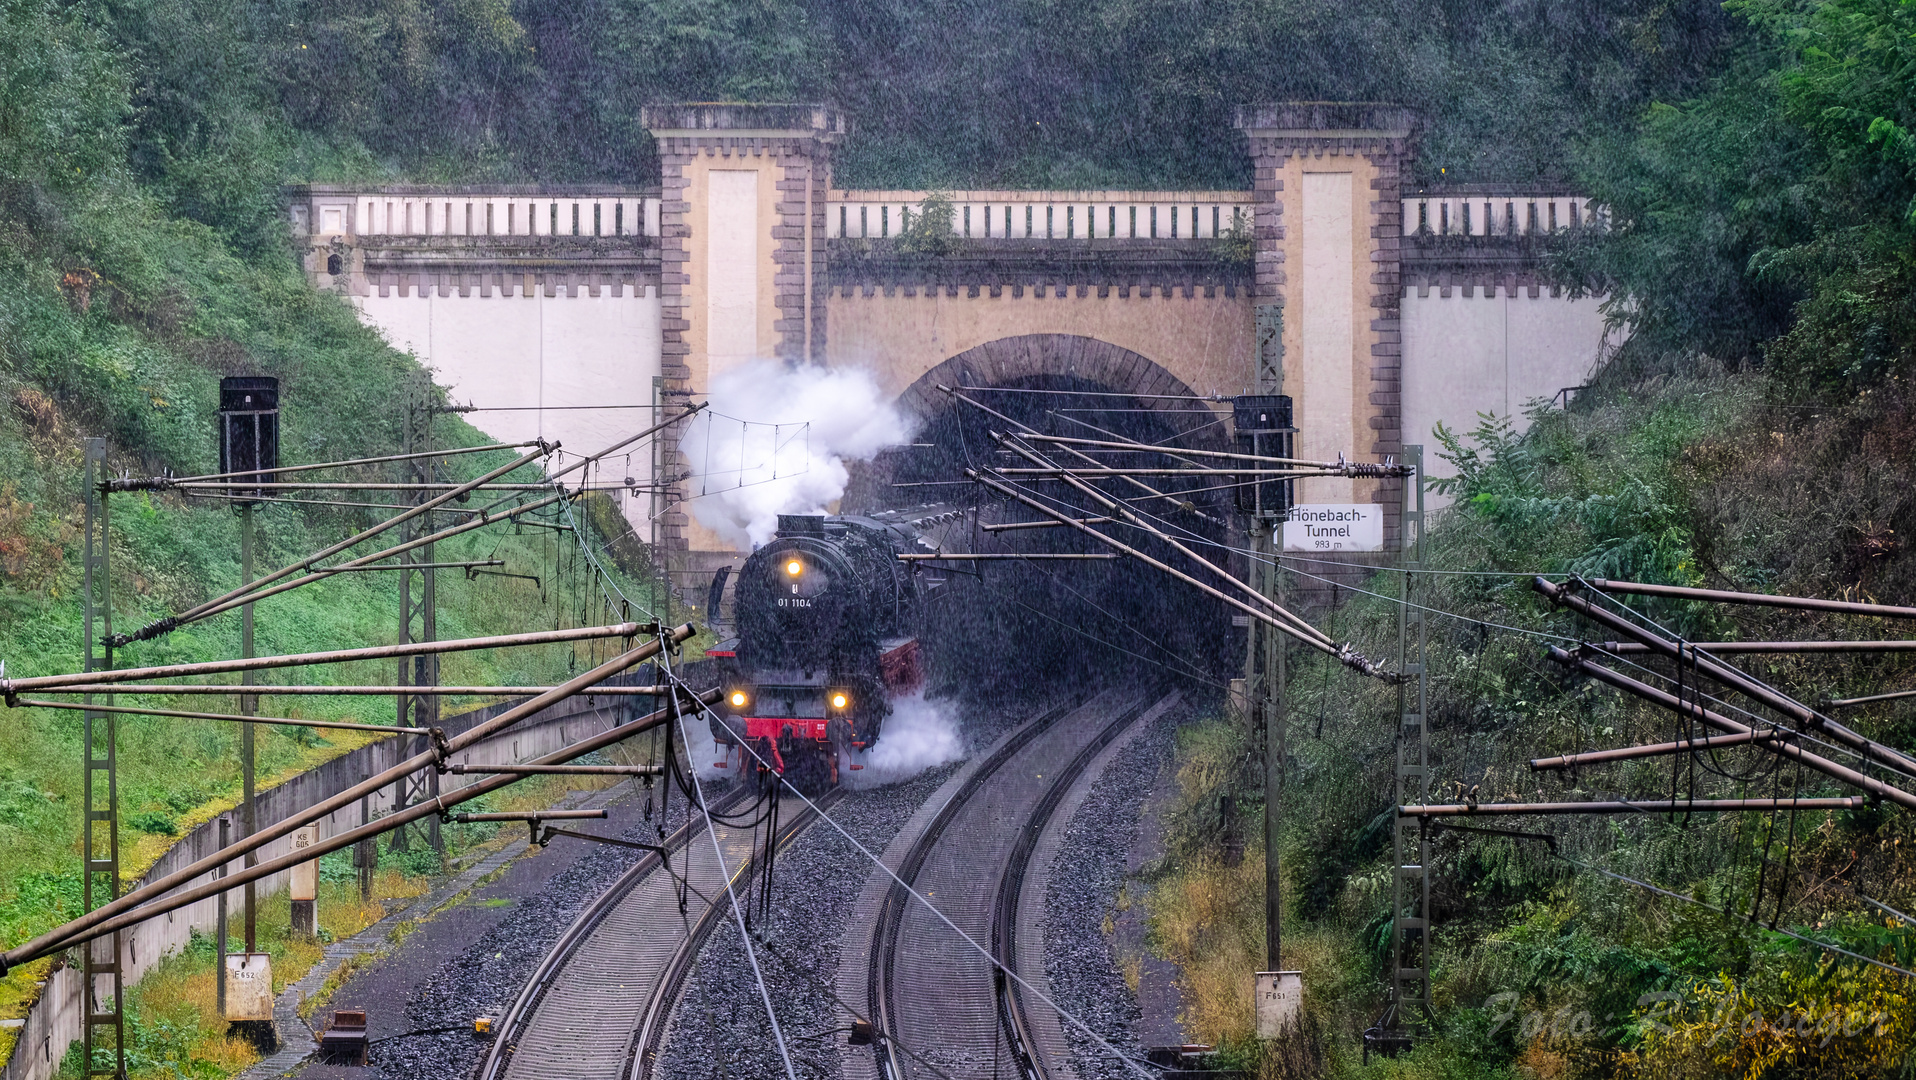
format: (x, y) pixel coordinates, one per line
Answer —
(1649, 806)
(1781, 747)
(135, 710)
(368, 691)
(35, 683)
(1803, 603)
(649, 1039)
(1010, 893)
(1704, 664)
(110, 916)
(891, 911)
(1628, 753)
(560, 954)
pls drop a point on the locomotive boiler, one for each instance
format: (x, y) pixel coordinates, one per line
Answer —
(827, 620)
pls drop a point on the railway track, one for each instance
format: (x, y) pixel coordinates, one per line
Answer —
(599, 1005)
(982, 855)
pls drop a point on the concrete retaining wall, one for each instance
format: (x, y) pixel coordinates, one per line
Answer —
(53, 1023)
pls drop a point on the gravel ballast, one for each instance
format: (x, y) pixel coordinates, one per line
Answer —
(1083, 891)
(720, 1026)
(488, 974)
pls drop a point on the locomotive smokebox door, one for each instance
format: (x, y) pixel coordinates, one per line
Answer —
(249, 432)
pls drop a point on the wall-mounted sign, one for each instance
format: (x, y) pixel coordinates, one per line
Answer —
(1335, 527)
(305, 876)
(249, 986)
(1280, 997)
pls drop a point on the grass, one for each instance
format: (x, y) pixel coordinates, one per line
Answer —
(174, 1025)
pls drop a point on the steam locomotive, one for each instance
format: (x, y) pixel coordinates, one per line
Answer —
(827, 618)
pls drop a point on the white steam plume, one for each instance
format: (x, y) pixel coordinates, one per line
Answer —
(704, 753)
(917, 735)
(783, 451)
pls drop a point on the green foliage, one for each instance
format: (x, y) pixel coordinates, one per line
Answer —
(153, 821)
(337, 866)
(931, 231)
(36, 897)
(1629, 522)
(416, 861)
(1773, 216)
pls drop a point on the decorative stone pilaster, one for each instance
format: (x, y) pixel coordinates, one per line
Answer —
(790, 146)
(1372, 143)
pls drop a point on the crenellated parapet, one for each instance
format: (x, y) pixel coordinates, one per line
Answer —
(1129, 216)
(1048, 243)
(412, 239)
(1483, 239)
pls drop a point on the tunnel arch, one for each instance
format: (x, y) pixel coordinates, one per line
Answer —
(1022, 358)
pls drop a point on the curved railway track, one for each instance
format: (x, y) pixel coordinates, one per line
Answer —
(599, 1005)
(974, 858)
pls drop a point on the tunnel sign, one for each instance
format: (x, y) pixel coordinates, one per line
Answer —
(1335, 527)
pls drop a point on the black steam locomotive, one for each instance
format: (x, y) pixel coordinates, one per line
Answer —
(827, 618)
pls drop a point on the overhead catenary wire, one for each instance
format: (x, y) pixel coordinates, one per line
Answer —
(254, 589)
(1299, 627)
(1695, 711)
(134, 710)
(1805, 736)
(241, 479)
(485, 518)
(1737, 680)
(1255, 612)
(11, 688)
(942, 917)
(738, 914)
(165, 625)
(324, 689)
(102, 919)
(1015, 424)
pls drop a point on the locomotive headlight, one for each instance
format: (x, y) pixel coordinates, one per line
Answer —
(840, 699)
(738, 699)
(794, 568)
